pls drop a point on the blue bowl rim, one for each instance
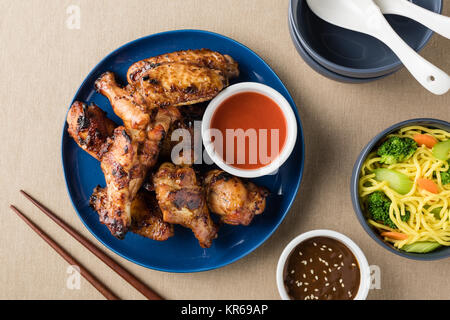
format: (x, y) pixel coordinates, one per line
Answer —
(369, 72)
(354, 186)
(299, 133)
(323, 70)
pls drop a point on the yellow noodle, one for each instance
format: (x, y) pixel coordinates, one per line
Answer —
(423, 225)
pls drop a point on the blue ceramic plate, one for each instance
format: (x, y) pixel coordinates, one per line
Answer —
(182, 252)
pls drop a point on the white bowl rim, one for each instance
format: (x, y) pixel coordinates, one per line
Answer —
(364, 268)
(291, 128)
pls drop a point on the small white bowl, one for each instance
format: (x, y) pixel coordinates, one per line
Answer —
(291, 129)
(364, 284)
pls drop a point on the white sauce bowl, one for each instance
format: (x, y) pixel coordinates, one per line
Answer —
(291, 129)
(364, 284)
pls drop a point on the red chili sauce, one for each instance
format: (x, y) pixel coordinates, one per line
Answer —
(249, 110)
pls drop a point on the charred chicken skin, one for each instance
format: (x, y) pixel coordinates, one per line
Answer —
(235, 201)
(146, 217)
(199, 58)
(89, 127)
(121, 161)
(125, 164)
(125, 103)
(124, 173)
(182, 201)
(177, 84)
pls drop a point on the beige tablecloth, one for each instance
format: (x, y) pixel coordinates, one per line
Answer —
(42, 64)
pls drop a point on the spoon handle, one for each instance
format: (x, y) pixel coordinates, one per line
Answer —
(436, 22)
(428, 75)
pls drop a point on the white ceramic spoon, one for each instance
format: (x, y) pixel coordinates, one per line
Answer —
(436, 22)
(366, 17)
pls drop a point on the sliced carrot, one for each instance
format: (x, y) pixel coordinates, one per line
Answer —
(425, 139)
(428, 185)
(394, 235)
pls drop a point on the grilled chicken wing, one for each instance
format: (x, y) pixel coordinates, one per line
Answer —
(179, 144)
(124, 173)
(176, 84)
(146, 217)
(124, 162)
(89, 127)
(183, 202)
(126, 104)
(200, 58)
(236, 201)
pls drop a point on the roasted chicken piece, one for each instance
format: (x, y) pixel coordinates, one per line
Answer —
(146, 217)
(179, 145)
(182, 201)
(177, 84)
(199, 57)
(123, 161)
(89, 127)
(124, 174)
(236, 201)
(126, 104)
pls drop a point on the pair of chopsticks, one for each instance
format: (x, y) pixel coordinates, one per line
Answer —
(108, 294)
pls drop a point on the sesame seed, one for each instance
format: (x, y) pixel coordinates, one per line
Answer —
(342, 285)
(335, 265)
(353, 265)
(324, 271)
(304, 276)
(316, 277)
(312, 271)
(329, 269)
(315, 244)
(326, 279)
(342, 264)
(306, 289)
(316, 290)
(340, 256)
(327, 284)
(306, 283)
(339, 268)
(329, 249)
(292, 271)
(322, 249)
(300, 253)
(298, 284)
(334, 289)
(310, 260)
(340, 280)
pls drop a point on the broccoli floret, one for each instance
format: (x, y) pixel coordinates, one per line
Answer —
(396, 149)
(378, 205)
(445, 177)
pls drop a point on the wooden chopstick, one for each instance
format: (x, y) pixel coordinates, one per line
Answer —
(127, 276)
(83, 271)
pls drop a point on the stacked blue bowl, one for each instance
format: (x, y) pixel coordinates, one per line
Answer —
(350, 56)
